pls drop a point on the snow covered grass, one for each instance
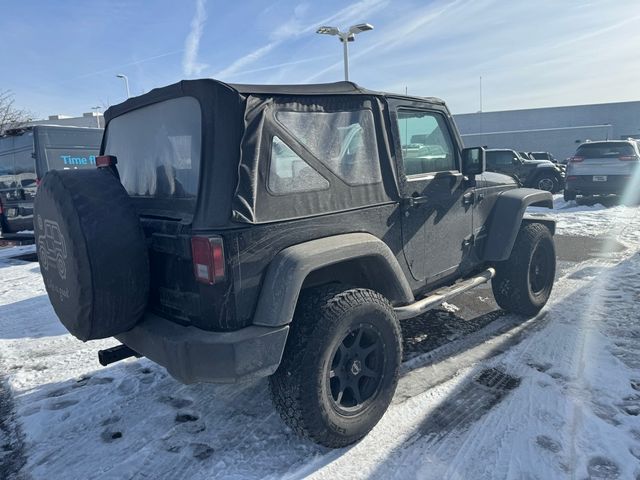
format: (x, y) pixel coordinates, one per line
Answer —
(557, 396)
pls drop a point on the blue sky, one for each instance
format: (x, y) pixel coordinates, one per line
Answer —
(62, 57)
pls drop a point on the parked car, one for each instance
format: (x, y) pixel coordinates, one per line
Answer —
(548, 156)
(602, 167)
(26, 155)
(541, 174)
(241, 231)
(542, 156)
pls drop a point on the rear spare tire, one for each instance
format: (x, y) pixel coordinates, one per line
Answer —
(92, 252)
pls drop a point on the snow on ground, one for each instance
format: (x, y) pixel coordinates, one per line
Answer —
(10, 252)
(557, 396)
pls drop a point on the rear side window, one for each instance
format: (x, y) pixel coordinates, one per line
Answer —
(345, 142)
(158, 148)
(288, 173)
(605, 150)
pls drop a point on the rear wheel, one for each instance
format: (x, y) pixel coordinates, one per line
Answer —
(523, 283)
(340, 366)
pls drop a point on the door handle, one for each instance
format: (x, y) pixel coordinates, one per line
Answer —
(468, 198)
(415, 201)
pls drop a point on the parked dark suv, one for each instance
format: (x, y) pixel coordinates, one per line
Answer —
(242, 231)
(541, 174)
(26, 155)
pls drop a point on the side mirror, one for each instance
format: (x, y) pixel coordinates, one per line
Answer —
(515, 161)
(474, 161)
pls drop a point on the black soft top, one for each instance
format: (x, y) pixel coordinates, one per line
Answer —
(237, 123)
(191, 87)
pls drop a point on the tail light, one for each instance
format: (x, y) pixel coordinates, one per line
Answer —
(576, 159)
(628, 158)
(208, 259)
(572, 177)
(38, 182)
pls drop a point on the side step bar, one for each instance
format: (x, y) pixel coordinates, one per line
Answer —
(115, 354)
(442, 295)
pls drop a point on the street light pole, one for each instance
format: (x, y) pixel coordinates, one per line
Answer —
(97, 109)
(345, 38)
(345, 50)
(126, 83)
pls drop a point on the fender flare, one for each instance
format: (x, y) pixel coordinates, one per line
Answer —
(288, 270)
(507, 217)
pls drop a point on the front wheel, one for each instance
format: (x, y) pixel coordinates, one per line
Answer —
(340, 366)
(547, 183)
(523, 283)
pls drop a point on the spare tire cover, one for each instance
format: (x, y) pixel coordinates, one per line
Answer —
(92, 252)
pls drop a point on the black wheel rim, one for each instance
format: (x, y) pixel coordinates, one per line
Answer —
(540, 269)
(545, 184)
(356, 370)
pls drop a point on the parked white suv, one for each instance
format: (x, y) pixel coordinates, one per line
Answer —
(604, 167)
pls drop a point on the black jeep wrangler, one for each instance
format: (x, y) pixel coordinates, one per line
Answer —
(240, 231)
(541, 174)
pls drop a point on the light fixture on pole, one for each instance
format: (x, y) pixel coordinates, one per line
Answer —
(345, 38)
(126, 83)
(97, 108)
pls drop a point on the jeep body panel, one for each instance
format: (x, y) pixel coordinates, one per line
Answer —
(290, 268)
(506, 217)
(436, 206)
(194, 355)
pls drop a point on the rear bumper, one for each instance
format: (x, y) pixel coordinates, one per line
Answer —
(584, 185)
(193, 355)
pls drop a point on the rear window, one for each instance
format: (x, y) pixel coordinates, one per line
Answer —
(605, 150)
(158, 148)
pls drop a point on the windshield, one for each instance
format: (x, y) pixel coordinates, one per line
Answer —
(158, 148)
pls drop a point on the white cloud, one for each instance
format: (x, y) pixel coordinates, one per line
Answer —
(246, 60)
(298, 26)
(190, 64)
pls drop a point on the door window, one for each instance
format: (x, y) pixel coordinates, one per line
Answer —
(427, 146)
(500, 158)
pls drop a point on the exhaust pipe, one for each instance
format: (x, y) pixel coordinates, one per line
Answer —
(115, 354)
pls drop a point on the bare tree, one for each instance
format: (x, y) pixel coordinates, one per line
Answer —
(10, 115)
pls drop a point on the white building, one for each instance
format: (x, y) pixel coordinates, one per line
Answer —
(89, 119)
(558, 130)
